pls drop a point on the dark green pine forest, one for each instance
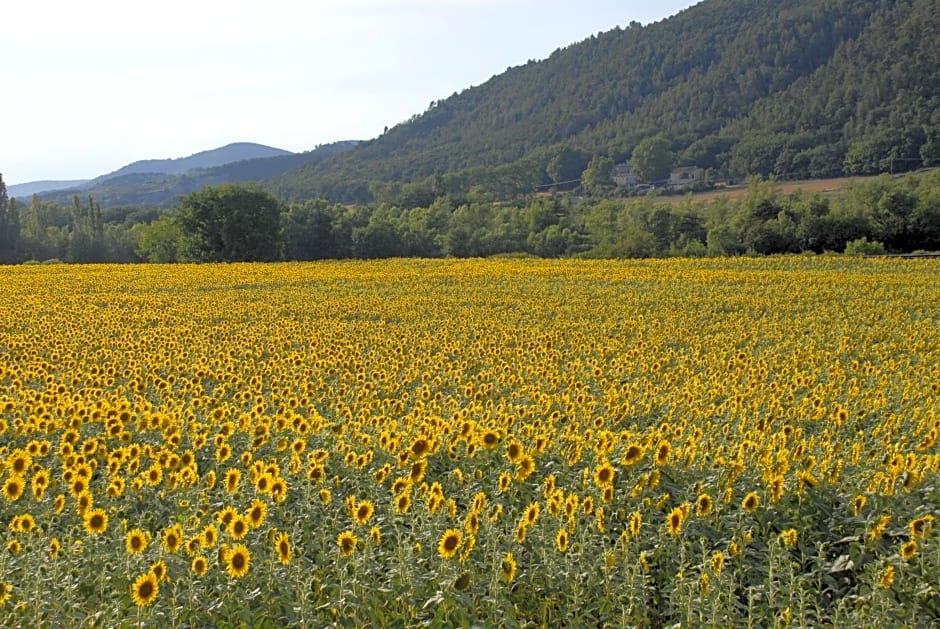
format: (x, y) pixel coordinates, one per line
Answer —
(744, 91)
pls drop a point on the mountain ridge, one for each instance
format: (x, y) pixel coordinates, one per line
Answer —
(162, 190)
(233, 152)
(210, 158)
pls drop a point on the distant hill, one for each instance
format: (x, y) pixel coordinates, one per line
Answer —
(227, 154)
(130, 186)
(235, 152)
(794, 88)
(24, 190)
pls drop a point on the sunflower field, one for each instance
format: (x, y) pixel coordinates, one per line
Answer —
(722, 442)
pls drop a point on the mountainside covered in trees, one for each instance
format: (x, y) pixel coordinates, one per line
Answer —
(794, 88)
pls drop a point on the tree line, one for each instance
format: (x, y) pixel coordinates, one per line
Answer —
(241, 222)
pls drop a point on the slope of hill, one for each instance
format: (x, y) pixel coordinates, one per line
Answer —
(717, 80)
(24, 190)
(227, 154)
(162, 190)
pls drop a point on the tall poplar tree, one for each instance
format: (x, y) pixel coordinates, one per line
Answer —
(9, 227)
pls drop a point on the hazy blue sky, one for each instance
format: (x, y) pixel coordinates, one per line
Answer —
(91, 86)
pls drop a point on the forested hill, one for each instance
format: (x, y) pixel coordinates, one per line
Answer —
(797, 88)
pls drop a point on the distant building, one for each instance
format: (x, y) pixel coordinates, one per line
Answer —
(622, 174)
(686, 176)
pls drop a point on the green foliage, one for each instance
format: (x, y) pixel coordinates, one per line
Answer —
(567, 165)
(232, 222)
(160, 241)
(861, 247)
(652, 160)
(596, 177)
(9, 227)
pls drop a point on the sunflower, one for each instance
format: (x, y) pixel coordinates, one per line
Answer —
(279, 490)
(57, 505)
(571, 505)
(472, 523)
(909, 550)
(525, 467)
(257, 513)
(858, 504)
(402, 503)
(400, 484)
(83, 502)
(489, 439)
(587, 505)
(703, 506)
(633, 454)
(887, 577)
(508, 568)
(561, 540)
(193, 544)
(364, 511)
(283, 547)
(173, 538)
(54, 547)
(420, 447)
(662, 452)
(145, 589)
(751, 502)
(718, 562)
(136, 541)
(418, 469)
(154, 475)
(326, 496)
(514, 451)
(920, 527)
(41, 479)
(13, 488)
(238, 527)
(636, 523)
(14, 547)
(200, 565)
(674, 521)
(346, 541)
(5, 591)
(604, 475)
(263, 483)
(879, 527)
(26, 523)
(232, 479)
(96, 521)
(116, 487)
(505, 480)
(19, 461)
(210, 535)
(376, 534)
(790, 537)
(450, 543)
(238, 560)
(531, 515)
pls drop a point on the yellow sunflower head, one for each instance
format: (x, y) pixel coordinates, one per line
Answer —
(450, 543)
(145, 589)
(96, 521)
(238, 560)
